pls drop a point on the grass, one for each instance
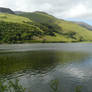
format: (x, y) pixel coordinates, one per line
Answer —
(57, 38)
(15, 29)
(68, 27)
(67, 32)
(13, 18)
(40, 27)
(39, 17)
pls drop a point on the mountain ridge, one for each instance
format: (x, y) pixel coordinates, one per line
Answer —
(85, 25)
(6, 10)
(28, 27)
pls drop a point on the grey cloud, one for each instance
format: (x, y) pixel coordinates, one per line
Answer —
(59, 8)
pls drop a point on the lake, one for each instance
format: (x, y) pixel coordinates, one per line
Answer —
(48, 67)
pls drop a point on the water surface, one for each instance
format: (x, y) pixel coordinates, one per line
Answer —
(39, 66)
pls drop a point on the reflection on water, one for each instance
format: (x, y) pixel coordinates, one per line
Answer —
(54, 84)
(15, 86)
(52, 69)
(36, 61)
(11, 86)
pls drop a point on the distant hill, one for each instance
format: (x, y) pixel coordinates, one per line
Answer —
(64, 31)
(6, 10)
(18, 12)
(85, 25)
(17, 29)
(29, 27)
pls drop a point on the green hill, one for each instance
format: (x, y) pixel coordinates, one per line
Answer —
(16, 29)
(64, 31)
(40, 27)
(85, 25)
(13, 18)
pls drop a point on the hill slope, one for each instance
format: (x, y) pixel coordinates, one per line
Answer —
(85, 25)
(64, 31)
(40, 27)
(16, 29)
(6, 10)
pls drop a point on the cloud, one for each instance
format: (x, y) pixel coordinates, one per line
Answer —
(76, 11)
(59, 8)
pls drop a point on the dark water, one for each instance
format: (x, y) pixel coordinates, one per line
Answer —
(48, 67)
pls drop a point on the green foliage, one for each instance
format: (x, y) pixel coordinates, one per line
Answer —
(54, 85)
(44, 21)
(15, 86)
(39, 17)
(67, 30)
(16, 32)
(13, 18)
(11, 86)
(78, 89)
(40, 27)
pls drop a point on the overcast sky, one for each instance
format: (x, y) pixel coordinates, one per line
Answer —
(66, 9)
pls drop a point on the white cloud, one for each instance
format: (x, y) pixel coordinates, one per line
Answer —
(59, 8)
(76, 11)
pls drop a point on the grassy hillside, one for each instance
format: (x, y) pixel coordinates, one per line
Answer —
(39, 16)
(13, 18)
(16, 29)
(64, 30)
(85, 25)
(75, 31)
(40, 27)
